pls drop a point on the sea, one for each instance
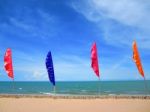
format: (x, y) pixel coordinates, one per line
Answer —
(77, 88)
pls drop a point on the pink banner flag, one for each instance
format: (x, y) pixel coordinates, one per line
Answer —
(94, 59)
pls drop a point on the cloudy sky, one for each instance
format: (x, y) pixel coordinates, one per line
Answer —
(68, 28)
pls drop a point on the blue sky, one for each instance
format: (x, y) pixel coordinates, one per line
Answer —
(68, 28)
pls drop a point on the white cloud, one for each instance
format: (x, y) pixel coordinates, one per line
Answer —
(71, 67)
(40, 74)
(119, 63)
(46, 16)
(121, 21)
(129, 12)
(42, 27)
(32, 72)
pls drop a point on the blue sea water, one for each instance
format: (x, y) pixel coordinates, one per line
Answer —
(77, 88)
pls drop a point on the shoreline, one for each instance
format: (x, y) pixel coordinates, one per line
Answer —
(60, 96)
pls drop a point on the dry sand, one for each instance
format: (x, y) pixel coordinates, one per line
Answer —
(58, 104)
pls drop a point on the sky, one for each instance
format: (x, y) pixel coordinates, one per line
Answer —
(68, 28)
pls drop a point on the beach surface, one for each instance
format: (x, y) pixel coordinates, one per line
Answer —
(23, 103)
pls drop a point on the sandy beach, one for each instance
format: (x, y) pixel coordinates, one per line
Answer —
(73, 104)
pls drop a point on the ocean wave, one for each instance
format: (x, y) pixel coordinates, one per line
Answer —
(45, 93)
(107, 91)
(112, 94)
(20, 88)
(83, 90)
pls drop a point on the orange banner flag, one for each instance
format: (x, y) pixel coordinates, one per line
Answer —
(136, 58)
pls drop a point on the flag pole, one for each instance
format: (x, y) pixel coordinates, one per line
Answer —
(13, 84)
(146, 87)
(54, 89)
(99, 87)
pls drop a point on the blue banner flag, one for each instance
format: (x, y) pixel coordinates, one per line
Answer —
(50, 68)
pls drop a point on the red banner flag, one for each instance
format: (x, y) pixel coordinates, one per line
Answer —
(136, 59)
(8, 63)
(94, 59)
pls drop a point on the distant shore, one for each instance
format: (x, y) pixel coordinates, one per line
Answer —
(72, 103)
